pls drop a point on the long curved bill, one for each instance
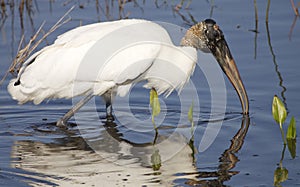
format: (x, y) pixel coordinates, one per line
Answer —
(223, 56)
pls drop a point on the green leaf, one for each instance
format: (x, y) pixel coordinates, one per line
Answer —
(278, 111)
(292, 147)
(280, 175)
(291, 137)
(291, 132)
(190, 113)
(154, 103)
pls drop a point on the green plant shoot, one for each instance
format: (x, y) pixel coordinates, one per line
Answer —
(291, 137)
(279, 114)
(278, 110)
(190, 116)
(291, 132)
(154, 103)
(190, 113)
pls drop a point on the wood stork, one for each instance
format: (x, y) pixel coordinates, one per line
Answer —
(52, 72)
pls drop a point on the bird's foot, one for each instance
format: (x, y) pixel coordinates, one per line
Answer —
(61, 124)
(110, 118)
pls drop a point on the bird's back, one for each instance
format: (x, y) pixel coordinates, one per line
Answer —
(99, 56)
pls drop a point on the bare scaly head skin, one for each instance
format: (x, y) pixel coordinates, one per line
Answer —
(208, 37)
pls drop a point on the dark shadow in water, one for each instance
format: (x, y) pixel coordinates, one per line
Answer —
(276, 67)
(270, 46)
(227, 161)
(256, 29)
(112, 130)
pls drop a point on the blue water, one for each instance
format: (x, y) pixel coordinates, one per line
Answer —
(35, 152)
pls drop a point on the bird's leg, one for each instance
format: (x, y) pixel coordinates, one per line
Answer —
(62, 122)
(108, 101)
(109, 115)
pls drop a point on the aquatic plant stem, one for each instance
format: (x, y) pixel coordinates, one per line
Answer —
(155, 137)
(282, 156)
(282, 135)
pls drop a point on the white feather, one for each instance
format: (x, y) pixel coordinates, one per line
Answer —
(104, 56)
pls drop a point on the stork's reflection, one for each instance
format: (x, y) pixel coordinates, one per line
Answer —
(108, 156)
(227, 161)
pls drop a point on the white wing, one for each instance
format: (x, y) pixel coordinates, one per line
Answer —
(99, 57)
(172, 69)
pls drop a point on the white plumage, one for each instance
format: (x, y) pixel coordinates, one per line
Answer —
(105, 59)
(53, 71)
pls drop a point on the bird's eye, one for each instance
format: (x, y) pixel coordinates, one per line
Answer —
(216, 33)
(210, 34)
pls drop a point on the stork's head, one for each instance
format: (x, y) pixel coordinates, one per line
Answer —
(208, 37)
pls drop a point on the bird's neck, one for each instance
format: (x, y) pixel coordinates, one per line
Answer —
(188, 40)
(195, 38)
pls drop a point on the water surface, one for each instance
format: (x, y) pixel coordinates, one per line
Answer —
(93, 152)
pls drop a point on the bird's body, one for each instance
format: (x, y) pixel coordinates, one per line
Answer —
(105, 59)
(53, 72)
